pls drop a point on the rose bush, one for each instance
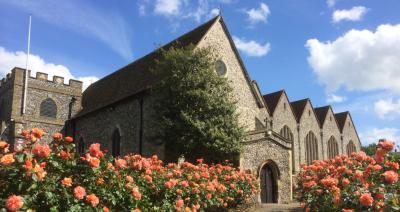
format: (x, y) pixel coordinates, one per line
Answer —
(52, 177)
(352, 183)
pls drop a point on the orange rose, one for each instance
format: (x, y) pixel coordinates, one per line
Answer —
(309, 184)
(92, 199)
(390, 176)
(68, 139)
(347, 210)
(95, 151)
(38, 133)
(178, 204)
(392, 164)
(57, 136)
(329, 181)
(39, 171)
(7, 159)
(64, 154)
(358, 174)
(121, 163)
(94, 162)
(79, 192)
(28, 164)
(42, 151)
(148, 178)
(185, 183)
(345, 182)
(129, 178)
(67, 182)
(168, 185)
(386, 145)
(3, 144)
(377, 167)
(366, 200)
(100, 181)
(14, 203)
(337, 200)
(195, 190)
(136, 193)
(105, 209)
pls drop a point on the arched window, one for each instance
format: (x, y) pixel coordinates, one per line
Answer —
(81, 146)
(48, 108)
(333, 148)
(311, 147)
(350, 147)
(286, 133)
(116, 143)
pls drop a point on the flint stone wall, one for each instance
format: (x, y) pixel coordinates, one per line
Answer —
(257, 153)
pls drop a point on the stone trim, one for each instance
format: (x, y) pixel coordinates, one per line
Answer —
(53, 90)
(274, 137)
(32, 119)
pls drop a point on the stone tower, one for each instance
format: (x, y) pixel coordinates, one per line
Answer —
(49, 104)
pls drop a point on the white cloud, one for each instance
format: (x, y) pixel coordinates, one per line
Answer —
(259, 14)
(332, 98)
(252, 48)
(373, 135)
(359, 60)
(167, 7)
(106, 27)
(331, 3)
(198, 12)
(142, 9)
(387, 108)
(354, 14)
(214, 12)
(87, 81)
(10, 60)
(225, 1)
(177, 10)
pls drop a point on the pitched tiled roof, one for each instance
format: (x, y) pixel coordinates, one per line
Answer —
(341, 119)
(298, 108)
(135, 77)
(272, 100)
(321, 113)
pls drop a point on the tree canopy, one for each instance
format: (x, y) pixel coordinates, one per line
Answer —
(196, 111)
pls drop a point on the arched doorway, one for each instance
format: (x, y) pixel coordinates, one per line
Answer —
(268, 183)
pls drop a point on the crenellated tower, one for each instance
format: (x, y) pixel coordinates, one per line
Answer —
(49, 104)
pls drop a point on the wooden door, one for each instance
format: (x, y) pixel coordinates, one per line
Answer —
(268, 185)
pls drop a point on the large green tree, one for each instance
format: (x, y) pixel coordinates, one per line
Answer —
(196, 111)
(370, 149)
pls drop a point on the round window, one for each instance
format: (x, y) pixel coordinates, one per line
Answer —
(220, 67)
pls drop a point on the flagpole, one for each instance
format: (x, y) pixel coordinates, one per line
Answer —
(26, 68)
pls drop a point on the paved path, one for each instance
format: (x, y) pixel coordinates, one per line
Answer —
(292, 207)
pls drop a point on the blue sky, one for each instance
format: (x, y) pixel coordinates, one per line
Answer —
(340, 52)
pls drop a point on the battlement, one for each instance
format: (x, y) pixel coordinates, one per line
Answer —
(5, 81)
(19, 73)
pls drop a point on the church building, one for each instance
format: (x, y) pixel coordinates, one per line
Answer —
(117, 111)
